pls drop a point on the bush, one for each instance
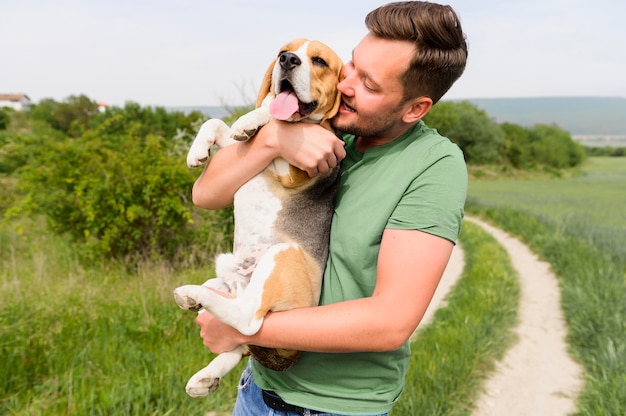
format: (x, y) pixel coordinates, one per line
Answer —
(480, 138)
(5, 119)
(121, 188)
(552, 146)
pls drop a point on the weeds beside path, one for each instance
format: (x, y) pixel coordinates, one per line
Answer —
(537, 376)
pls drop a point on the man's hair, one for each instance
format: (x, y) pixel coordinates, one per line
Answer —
(441, 49)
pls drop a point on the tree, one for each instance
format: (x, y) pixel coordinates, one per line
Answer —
(73, 116)
(5, 119)
(480, 138)
(517, 145)
(553, 146)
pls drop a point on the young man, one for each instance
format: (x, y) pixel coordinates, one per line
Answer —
(398, 212)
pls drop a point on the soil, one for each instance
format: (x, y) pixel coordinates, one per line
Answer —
(536, 376)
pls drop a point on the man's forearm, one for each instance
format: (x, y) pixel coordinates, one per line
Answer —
(227, 171)
(337, 328)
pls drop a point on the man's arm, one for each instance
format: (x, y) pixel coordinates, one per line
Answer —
(410, 266)
(306, 146)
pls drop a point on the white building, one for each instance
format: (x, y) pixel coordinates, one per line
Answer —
(18, 102)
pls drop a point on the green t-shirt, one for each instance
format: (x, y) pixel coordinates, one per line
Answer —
(417, 182)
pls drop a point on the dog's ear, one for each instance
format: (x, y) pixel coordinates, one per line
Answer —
(266, 85)
(326, 120)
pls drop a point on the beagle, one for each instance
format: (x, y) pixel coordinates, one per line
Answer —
(282, 216)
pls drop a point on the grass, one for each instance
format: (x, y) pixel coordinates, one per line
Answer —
(108, 339)
(589, 205)
(453, 355)
(97, 341)
(578, 226)
(103, 340)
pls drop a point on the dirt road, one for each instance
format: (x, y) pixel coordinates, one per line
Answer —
(536, 376)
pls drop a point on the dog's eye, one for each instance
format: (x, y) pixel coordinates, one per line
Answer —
(319, 61)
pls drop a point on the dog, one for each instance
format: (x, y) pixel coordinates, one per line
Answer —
(282, 216)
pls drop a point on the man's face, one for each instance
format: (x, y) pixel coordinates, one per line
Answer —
(372, 91)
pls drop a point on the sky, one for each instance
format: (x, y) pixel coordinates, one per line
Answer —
(215, 52)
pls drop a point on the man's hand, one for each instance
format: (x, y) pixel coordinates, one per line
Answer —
(217, 336)
(308, 147)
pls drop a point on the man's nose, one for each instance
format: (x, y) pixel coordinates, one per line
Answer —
(344, 86)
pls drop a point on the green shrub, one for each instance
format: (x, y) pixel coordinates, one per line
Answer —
(480, 137)
(5, 119)
(121, 188)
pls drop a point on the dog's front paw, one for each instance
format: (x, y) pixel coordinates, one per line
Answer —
(249, 124)
(198, 154)
(213, 131)
(201, 386)
(244, 128)
(185, 298)
(244, 135)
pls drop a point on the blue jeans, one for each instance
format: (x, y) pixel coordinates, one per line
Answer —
(250, 402)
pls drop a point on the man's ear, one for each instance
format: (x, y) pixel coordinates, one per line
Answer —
(417, 110)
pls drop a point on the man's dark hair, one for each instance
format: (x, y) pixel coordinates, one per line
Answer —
(440, 45)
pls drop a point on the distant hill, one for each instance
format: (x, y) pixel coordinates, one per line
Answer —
(581, 116)
(213, 111)
(578, 115)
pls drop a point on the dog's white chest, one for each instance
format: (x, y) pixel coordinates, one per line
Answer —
(256, 209)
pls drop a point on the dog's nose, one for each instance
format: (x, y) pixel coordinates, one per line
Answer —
(289, 61)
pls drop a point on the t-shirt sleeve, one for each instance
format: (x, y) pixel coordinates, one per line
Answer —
(434, 200)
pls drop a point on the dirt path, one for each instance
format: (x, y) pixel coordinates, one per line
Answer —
(536, 376)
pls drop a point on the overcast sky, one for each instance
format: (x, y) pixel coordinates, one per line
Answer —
(210, 52)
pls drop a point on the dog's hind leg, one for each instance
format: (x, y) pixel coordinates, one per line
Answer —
(280, 281)
(231, 311)
(207, 380)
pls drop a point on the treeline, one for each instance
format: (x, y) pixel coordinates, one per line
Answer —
(484, 141)
(115, 181)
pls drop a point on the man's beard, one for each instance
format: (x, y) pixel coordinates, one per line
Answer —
(377, 127)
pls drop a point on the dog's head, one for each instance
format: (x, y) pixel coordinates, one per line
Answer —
(302, 81)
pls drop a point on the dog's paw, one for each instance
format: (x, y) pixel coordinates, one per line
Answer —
(244, 128)
(185, 300)
(212, 132)
(198, 154)
(244, 135)
(200, 387)
(249, 124)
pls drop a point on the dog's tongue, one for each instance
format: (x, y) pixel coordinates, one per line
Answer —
(284, 105)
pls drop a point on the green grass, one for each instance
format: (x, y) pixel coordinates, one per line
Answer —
(591, 205)
(98, 341)
(578, 226)
(103, 340)
(457, 351)
(108, 339)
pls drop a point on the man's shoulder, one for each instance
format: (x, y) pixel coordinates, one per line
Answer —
(426, 137)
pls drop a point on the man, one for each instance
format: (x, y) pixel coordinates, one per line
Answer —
(398, 212)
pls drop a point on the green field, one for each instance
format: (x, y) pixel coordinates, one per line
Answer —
(591, 204)
(578, 225)
(108, 339)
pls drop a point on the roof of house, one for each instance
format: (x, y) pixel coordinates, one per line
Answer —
(14, 97)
